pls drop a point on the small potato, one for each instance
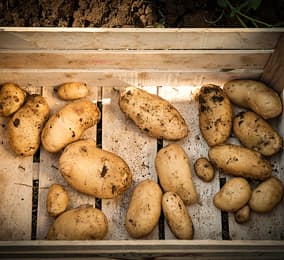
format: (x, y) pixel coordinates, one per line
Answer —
(239, 161)
(254, 95)
(57, 200)
(12, 97)
(173, 168)
(24, 128)
(255, 133)
(215, 114)
(204, 169)
(144, 209)
(94, 171)
(267, 195)
(72, 90)
(68, 124)
(233, 195)
(242, 215)
(79, 224)
(152, 114)
(177, 216)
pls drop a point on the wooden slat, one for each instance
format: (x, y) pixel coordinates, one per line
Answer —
(123, 138)
(49, 174)
(146, 38)
(206, 218)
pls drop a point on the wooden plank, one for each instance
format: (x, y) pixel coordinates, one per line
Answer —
(206, 218)
(123, 138)
(167, 60)
(49, 174)
(138, 38)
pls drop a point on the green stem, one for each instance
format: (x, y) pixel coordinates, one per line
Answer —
(215, 21)
(241, 21)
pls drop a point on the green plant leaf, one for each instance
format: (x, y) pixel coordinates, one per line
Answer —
(254, 4)
(222, 3)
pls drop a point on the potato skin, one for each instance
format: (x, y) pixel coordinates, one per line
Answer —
(152, 114)
(144, 209)
(242, 215)
(57, 200)
(24, 128)
(173, 168)
(94, 171)
(233, 195)
(79, 224)
(72, 90)
(68, 124)
(215, 114)
(12, 97)
(177, 216)
(204, 169)
(256, 134)
(254, 95)
(266, 195)
(240, 161)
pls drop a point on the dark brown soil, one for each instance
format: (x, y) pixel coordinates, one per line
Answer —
(129, 13)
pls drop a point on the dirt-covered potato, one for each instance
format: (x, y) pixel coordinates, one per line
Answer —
(24, 128)
(215, 114)
(204, 169)
(57, 200)
(240, 161)
(83, 223)
(94, 171)
(235, 193)
(152, 114)
(266, 195)
(144, 209)
(255, 133)
(177, 216)
(12, 97)
(72, 90)
(173, 168)
(68, 124)
(242, 215)
(254, 95)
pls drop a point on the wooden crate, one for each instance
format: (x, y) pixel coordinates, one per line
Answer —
(172, 63)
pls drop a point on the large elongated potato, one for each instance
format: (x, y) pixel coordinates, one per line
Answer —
(240, 161)
(266, 195)
(24, 128)
(177, 216)
(68, 124)
(152, 114)
(94, 171)
(144, 209)
(254, 95)
(255, 133)
(215, 114)
(72, 90)
(173, 168)
(79, 224)
(12, 97)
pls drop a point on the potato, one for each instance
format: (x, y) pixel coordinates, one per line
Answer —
(215, 114)
(242, 215)
(72, 90)
(94, 171)
(235, 193)
(83, 223)
(57, 200)
(254, 95)
(240, 161)
(255, 133)
(12, 97)
(267, 195)
(204, 169)
(25, 126)
(177, 216)
(173, 168)
(144, 209)
(68, 124)
(152, 114)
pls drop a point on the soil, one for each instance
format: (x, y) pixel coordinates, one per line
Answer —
(129, 13)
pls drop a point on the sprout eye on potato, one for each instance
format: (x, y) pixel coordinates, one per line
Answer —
(72, 90)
